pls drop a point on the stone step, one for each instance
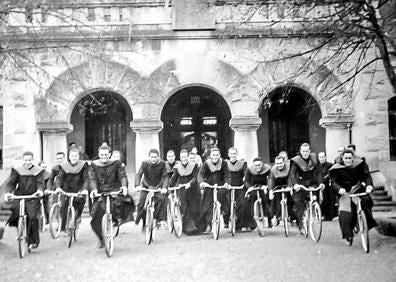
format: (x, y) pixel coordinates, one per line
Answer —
(379, 188)
(385, 203)
(381, 197)
(380, 193)
(384, 208)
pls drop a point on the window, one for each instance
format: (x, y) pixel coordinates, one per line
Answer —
(392, 127)
(44, 15)
(91, 15)
(186, 121)
(28, 15)
(107, 15)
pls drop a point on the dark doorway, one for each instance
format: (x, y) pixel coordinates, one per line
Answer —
(99, 117)
(392, 127)
(290, 117)
(196, 117)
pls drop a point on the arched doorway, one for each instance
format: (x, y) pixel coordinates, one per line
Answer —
(392, 127)
(103, 116)
(196, 117)
(290, 117)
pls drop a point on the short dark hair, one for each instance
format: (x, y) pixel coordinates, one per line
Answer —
(348, 151)
(279, 158)
(153, 151)
(352, 146)
(322, 152)
(27, 153)
(185, 151)
(104, 146)
(305, 144)
(215, 149)
(40, 163)
(233, 149)
(60, 153)
(257, 159)
(170, 151)
(74, 149)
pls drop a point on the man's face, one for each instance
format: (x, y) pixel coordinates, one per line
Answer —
(27, 161)
(43, 165)
(170, 157)
(305, 151)
(191, 158)
(322, 158)
(215, 156)
(74, 157)
(340, 150)
(194, 150)
(347, 158)
(153, 157)
(184, 158)
(104, 155)
(279, 164)
(258, 165)
(60, 158)
(232, 154)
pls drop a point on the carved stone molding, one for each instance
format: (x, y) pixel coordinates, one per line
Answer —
(245, 123)
(146, 125)
(336, 121)
(54, 127)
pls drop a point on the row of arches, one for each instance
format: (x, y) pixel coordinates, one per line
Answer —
(197, 116)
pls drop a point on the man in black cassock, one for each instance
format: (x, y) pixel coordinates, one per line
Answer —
(60, 159)
(106, 176)
(328, 205)
(190, 197)
(350, 172)
(152, 175)
(257, 175)
(73, 178)
(213, 171)
(237, 168)
(170, 162)
(303, 171)
(26, 179)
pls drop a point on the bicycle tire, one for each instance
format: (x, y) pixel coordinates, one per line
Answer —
(70, 225)
(259, 217)
(315, 222)
(117, 231)
(107, 234)
(232, 219)
(149, 226)
(22, 245)
(55, 221)
(305, 220)
(177, 221)
(285, 220)
(169, 216)
(216, 221)
(363, 230)
(41, 223)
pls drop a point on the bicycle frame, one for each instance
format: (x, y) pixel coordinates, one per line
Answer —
(216, 214)
(313, 202)
(284, 209)
(362, 221)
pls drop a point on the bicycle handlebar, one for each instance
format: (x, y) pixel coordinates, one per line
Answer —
(176, 187)
(236, 187)
(310, 188)
(148, 190)
(358, 194)
(67, 194)
(281, 189)
(20, 197)
(104, 194)
(215, 186)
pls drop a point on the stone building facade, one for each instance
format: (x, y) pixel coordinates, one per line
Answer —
(173, 74)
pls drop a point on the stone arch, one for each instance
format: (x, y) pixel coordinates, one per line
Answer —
(315, 79)
(67, 89)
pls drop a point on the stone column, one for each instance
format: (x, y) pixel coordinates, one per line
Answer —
(337, 133)
(146, 138)
(54, 139)
(245, 137)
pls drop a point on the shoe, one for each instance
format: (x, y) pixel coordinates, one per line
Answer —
(33, 246)
(349, 241)
(208, 229)
(164, 224)
(226, 225)
(100, 244)
(302, 232)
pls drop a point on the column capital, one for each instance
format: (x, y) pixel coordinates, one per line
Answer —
(336, 121)
(245, 123)
(54, 127)
(146, 125)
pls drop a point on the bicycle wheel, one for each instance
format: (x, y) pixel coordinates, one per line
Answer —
(363, 230)
(107, 233)
(259, 217)
(305, 220)
(22, 245)
(315, 222)
(177, 221)
(169, 216)
(285, 216)
(216, 220)
(149, 226)
(41, 222)
(55, 220)
(70, 225)
(232, 219)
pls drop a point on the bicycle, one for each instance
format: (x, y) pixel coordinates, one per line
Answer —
(174, 210)
(258, 211)
(233, 217)
(312, 218)
(22, 223)
(72, 226)
(284, 210)
(361, 223)
(216, 210)
(150, 207)
(108, 233)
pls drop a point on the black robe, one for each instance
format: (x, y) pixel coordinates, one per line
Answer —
(169, 168)
(328, 205)
(190, 199)
(23, 181)
(51, 180)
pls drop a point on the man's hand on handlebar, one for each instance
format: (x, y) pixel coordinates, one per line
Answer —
(369, 189)
(321, 186)
(164, 190)
(271, 195)
(7, 196)
(84, 192)
(187, 185)
(342, 191)
(296, 187)
(203, 184)
(38, 193)
(58, 190)
(93, 193)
